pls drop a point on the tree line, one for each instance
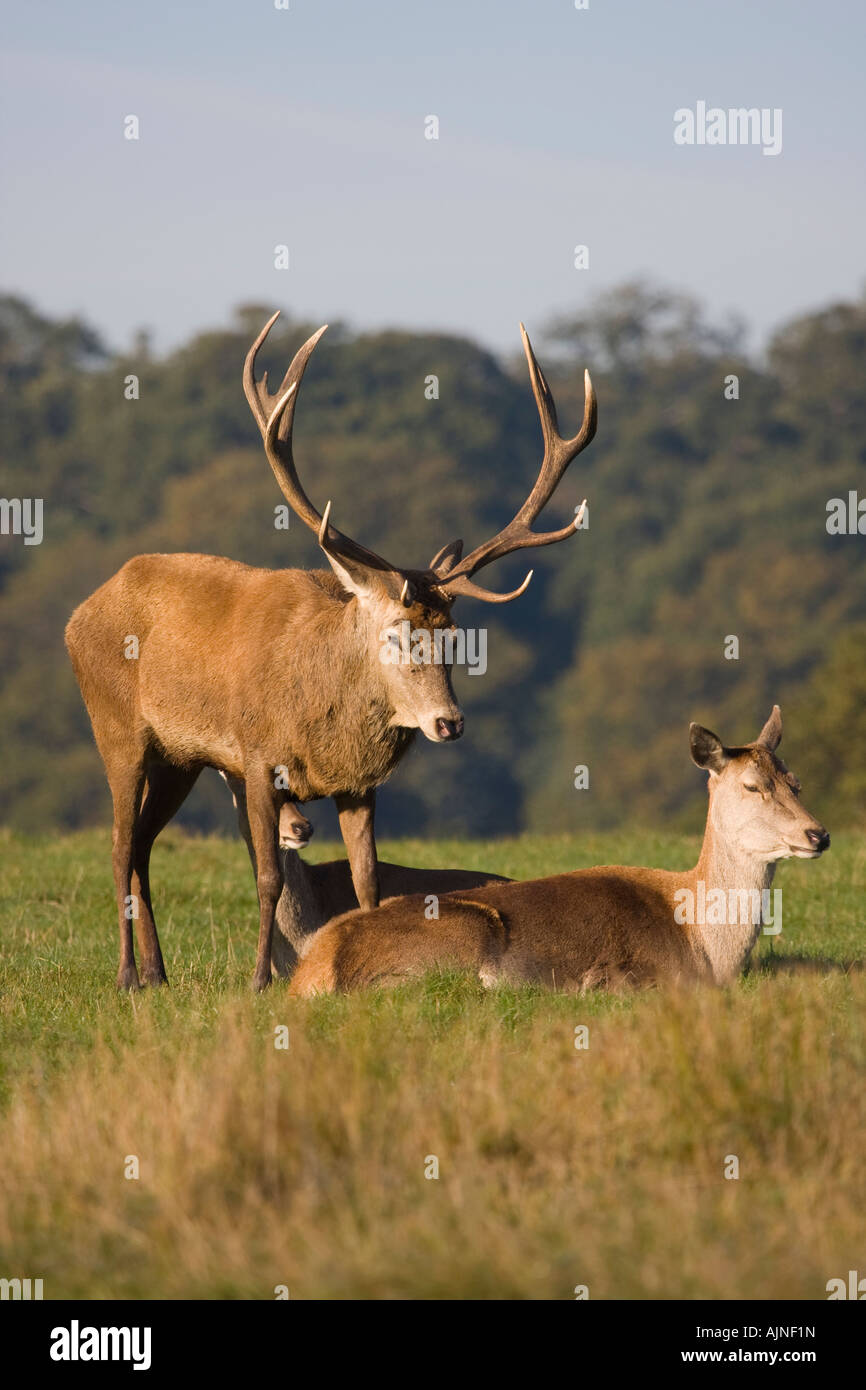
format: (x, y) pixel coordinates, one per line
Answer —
(708, 584)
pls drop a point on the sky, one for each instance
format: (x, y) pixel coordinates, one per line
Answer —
(305, 127)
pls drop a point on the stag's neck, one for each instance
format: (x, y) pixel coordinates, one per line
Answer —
(727, 881)
(349, 740)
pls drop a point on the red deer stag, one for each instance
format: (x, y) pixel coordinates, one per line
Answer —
(608, 927)
(276, 676)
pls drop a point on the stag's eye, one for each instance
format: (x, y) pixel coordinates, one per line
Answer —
(750, 787)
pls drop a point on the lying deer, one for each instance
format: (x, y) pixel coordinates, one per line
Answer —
(605, 927)
(314, 893)
(276, 676)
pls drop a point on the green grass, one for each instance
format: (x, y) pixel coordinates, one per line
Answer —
(557, 1167)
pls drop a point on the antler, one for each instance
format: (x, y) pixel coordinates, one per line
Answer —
(454, 573)
(275, 416)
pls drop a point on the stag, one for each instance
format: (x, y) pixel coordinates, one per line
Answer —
(606, 928)
(276, 677)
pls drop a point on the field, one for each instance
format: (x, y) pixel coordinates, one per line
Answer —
(304, 1167)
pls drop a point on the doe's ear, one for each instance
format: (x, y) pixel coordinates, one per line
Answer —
(706, 748)
(771, 734)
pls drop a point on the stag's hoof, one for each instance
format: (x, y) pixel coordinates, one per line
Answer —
(127, 979)
(153, 976)
(261, 982)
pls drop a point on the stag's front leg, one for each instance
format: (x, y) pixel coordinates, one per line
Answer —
(237, 787)
(262, 810)
(356, 824)
(290, 925)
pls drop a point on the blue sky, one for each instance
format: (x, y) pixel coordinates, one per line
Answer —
(306, 127)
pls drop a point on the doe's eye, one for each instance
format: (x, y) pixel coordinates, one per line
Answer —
(750, 788)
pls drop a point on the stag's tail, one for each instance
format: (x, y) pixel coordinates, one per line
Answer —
(397, 941)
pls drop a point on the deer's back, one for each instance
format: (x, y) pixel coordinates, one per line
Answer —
(210, 632)
(605, 927)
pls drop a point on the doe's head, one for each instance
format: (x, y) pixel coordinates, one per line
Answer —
(295, 831)
(754, 798)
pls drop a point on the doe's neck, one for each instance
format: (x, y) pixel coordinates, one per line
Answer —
(730, 883)
(724, 864)
(299, 910)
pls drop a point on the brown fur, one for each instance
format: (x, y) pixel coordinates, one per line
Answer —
(246, 670)
(608, 927)
(277, 678)
(469, 933)
(313, 894)
(332, 894)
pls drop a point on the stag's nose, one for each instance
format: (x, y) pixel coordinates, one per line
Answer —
(819, 837)
(449, 729)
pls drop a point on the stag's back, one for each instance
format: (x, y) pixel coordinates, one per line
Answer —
(174, 645)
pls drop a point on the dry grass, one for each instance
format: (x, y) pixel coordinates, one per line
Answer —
(306, 1167)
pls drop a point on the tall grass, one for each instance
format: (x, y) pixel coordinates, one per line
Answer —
(307, 1166)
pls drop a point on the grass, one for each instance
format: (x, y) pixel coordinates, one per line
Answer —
(305, 1167)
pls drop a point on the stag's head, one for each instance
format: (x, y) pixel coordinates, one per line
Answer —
(754, 799)
(395, 605)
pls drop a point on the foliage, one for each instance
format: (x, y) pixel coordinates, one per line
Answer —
(707, 518)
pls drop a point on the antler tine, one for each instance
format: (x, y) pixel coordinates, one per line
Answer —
(279, 454)
(463, 587)
(261, 402)
(275, 414)
(278, 428)
(558, 454)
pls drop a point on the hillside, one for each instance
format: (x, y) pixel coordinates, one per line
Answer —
(707, 520)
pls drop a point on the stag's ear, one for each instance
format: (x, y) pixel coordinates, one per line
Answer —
(771, 734)
(706, 748)
(447, 557)
(358, 579)
(367, 583)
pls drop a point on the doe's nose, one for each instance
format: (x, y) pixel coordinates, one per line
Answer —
(819, 837)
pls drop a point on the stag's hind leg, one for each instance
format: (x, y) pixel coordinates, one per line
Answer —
(167, 789)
